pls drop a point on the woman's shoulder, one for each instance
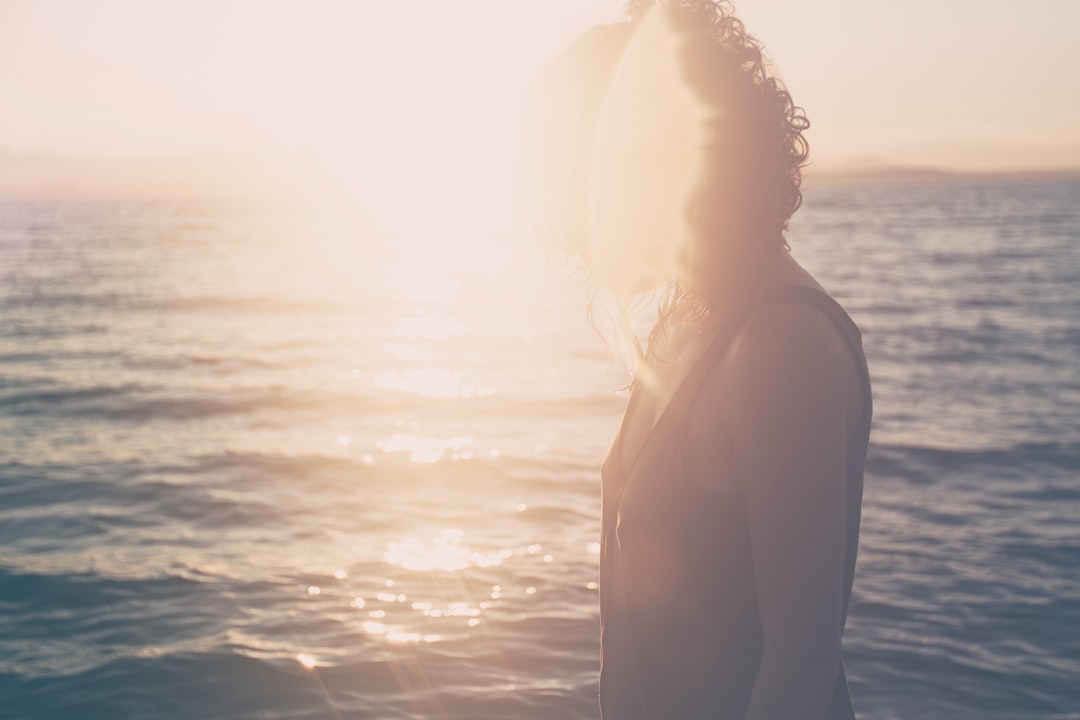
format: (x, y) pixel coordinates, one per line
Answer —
(793, 331)
(788, 383)
(788, 358)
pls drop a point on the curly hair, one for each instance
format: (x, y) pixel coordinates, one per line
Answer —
(752, 184)
(727, 60)
(753, 157)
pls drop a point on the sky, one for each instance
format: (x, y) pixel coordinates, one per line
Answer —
(394, 88)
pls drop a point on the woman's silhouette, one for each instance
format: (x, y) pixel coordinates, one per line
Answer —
(669, 160)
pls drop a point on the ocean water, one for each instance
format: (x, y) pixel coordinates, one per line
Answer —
(258, 468)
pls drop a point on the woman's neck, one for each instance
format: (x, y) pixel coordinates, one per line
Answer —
(741, 278)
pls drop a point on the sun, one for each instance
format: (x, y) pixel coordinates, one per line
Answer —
(415, 117)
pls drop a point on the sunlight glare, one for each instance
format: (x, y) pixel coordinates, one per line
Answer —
(645, 166)
(409, 353)
(428, 327)
(444, 552)
(432, 382)
(426, 449)
(424, 286)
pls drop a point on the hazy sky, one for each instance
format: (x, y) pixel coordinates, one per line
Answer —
(971, 84)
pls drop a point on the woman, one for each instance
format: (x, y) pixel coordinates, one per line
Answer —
(732, 493)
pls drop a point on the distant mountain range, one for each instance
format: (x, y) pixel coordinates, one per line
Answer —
(924, 175)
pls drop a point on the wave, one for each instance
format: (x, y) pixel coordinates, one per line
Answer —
(47, 597)
(55, 508)
(226, 683)
(170, 686)
(135, 402)
(34, 331)
(912, 461)
(38, 300)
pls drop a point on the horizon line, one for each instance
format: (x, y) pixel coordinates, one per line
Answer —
(217, 173)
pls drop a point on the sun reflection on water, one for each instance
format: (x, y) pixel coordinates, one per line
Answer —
(428, 449)
(421, 285)
(432, 382)
(409, 353)
(428, 327)
(443, 552)
(410, 602)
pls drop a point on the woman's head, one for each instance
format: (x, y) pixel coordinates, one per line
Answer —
(668, 152)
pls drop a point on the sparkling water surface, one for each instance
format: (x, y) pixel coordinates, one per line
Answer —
(256, 468)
